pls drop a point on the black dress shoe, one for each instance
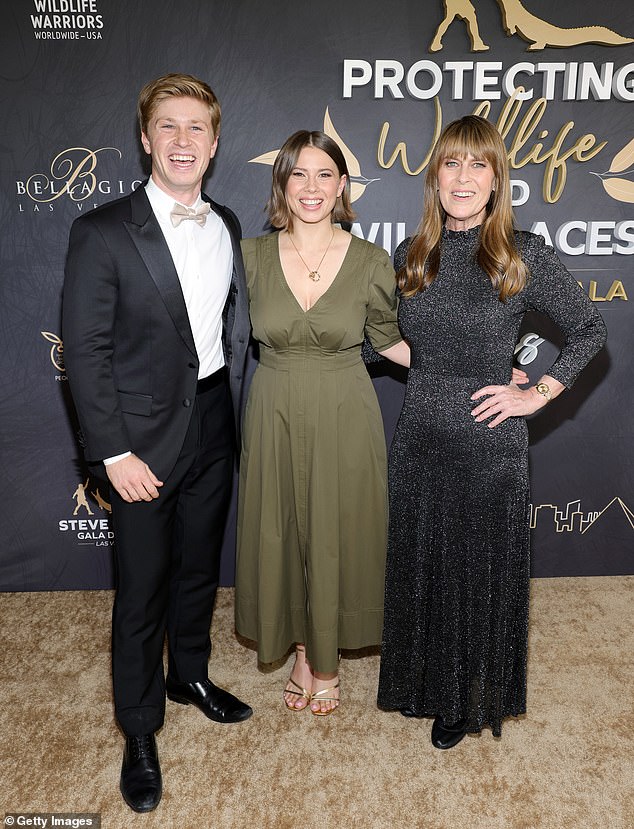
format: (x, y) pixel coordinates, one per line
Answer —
(218, 705)
(409, 712)
(140, 784)
(447, 736)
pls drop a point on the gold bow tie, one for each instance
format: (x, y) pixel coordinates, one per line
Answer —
(199, 214)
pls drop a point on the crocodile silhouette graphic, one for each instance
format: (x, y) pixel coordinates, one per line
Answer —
(518, 20)
(539, 33)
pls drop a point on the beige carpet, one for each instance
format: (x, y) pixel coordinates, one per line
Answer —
(568, 763)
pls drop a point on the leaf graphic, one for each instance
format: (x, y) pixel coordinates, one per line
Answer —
(354, 167)
(623, 159)
(265, 158)
(52, 338)
(620, 189)
(356, 190)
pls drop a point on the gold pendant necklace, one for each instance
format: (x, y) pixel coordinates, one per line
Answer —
(314, 275)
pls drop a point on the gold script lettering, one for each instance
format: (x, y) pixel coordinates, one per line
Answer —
(554, 159)
(556, 171)
(74, 172)
(401, 147)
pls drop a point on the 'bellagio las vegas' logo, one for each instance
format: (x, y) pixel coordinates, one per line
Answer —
(518, 20)
(72, 173)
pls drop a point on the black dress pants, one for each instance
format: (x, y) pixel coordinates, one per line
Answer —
(167, 555)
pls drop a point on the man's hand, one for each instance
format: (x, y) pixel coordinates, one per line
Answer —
(133, 479)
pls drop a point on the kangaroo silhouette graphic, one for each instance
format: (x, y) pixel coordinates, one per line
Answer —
(101, 502)
(538, 33)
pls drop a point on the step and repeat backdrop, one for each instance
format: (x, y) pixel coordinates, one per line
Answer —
(382, 79)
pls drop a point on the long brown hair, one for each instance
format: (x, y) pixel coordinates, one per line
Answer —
(497, 253)
(285, 163)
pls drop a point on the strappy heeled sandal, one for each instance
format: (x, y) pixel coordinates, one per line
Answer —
(318, 697)
(301, 693)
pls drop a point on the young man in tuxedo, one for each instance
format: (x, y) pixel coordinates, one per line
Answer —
(155, 329)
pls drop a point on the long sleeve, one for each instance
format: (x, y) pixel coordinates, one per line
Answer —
(89, 307)
(552, 290)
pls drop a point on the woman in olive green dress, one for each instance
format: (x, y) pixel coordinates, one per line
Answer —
(313, 505)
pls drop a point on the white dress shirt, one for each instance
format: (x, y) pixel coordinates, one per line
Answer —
(203, 258)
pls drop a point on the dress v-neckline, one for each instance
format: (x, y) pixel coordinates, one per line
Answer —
(328, 289)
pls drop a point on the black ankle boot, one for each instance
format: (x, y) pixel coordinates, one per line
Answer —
(447, 736)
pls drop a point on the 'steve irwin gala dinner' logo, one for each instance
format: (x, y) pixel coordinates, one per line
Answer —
(66, 20)
(87, 522)
(519, 21)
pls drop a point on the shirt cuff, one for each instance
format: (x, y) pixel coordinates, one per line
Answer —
(115, 458)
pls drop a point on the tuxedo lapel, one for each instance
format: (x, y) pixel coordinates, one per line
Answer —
(148, 239)
(231, 223)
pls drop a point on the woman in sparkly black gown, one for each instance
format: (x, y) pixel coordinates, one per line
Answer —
(456, 601)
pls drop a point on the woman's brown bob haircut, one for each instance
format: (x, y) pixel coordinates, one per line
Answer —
(176, 86)
(285, 163)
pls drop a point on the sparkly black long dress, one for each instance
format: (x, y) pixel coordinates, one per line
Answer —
(457, 578)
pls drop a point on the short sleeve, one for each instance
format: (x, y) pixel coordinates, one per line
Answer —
(553, 291)
(381, 326)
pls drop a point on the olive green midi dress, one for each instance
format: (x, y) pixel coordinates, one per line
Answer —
(312, 511)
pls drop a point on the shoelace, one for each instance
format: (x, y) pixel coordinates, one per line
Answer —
(142, 747)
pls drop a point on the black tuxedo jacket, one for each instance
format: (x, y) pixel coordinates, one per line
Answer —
(128, 346)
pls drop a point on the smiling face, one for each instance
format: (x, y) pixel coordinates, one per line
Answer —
(181, 142)
(313, 186)
(464, 188)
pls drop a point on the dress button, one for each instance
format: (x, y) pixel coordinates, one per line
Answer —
(187, 402)
(192, 365)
